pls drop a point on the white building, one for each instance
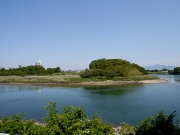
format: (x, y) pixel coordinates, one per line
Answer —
(38, 63)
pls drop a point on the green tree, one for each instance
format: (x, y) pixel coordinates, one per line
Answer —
(141, 69)
(57, 70)
(86, 74)
(2, 69)
(158, 125)
(50, 70)
(73, 121)
(164, 69)
(29, 70)
(176, 71)
(111, 68)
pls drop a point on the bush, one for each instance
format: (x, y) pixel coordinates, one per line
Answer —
(126, 129)
(73, 121)
(86, 74)
(158, 125)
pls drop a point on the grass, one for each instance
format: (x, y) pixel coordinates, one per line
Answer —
(36, 79)
(47, 79)
(136, 78)
(157, 72)
(68, 78)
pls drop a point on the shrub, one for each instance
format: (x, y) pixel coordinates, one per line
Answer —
(158, 125)
(72, 121)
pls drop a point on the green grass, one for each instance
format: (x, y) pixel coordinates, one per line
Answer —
(36, 79)
(157, 73)
(58, 79)
(136, 78)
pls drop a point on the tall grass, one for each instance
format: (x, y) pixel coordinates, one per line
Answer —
(136, 78)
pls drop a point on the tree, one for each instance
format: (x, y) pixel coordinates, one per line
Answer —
(57, 70)
(28, 70)
(158, 125)
(164, 69)
(176, 71)
(111, 68)
(2, 69)
(50, 70)
(141, 69)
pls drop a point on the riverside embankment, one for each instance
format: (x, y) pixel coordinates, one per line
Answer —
(75, 80)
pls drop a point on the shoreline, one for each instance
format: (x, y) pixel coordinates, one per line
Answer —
(92, 83)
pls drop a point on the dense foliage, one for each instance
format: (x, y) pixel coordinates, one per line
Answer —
(74, 121)
(176, 71)
(29, 70)
(141, 69)
(112, 68)
(158, 125)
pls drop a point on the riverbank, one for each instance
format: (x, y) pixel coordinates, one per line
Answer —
(75, 80)
(111, 82)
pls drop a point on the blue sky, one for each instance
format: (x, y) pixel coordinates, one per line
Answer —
(72, 33)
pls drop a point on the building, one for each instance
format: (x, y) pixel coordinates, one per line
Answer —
(38, 63)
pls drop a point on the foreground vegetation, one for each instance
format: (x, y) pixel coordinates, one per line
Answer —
(68, 78)
(74, 121)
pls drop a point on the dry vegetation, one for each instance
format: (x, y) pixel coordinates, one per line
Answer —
(68, 79)
(37, 79)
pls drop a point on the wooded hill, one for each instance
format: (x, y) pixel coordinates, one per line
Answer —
(112, 68)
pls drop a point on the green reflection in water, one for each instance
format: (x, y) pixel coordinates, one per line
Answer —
(113, 90)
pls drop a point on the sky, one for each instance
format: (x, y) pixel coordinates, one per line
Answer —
(71, 33)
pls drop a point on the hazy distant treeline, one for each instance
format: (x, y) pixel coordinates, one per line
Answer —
(176, 71)
(29, 70)
(112, 68)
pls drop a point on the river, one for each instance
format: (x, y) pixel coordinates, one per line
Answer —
(129, 103)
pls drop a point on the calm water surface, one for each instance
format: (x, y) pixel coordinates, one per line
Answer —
(129, 103)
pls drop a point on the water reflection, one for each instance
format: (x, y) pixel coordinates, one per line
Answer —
(177, 79)
(116, 100)
(113, 90)
(14, 88)
(111, 87)
(39, 89)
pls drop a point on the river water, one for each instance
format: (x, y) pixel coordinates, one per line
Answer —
(129, 103)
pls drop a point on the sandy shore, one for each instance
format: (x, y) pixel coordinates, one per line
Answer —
(153, 81)
(101, 83)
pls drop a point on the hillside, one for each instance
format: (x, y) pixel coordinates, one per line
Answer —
(112, 68)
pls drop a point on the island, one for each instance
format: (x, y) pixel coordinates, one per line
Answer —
(100, 72)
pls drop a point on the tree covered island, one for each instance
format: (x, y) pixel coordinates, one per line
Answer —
(112, 68)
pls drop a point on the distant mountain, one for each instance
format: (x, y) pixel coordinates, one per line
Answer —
(159, 67)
